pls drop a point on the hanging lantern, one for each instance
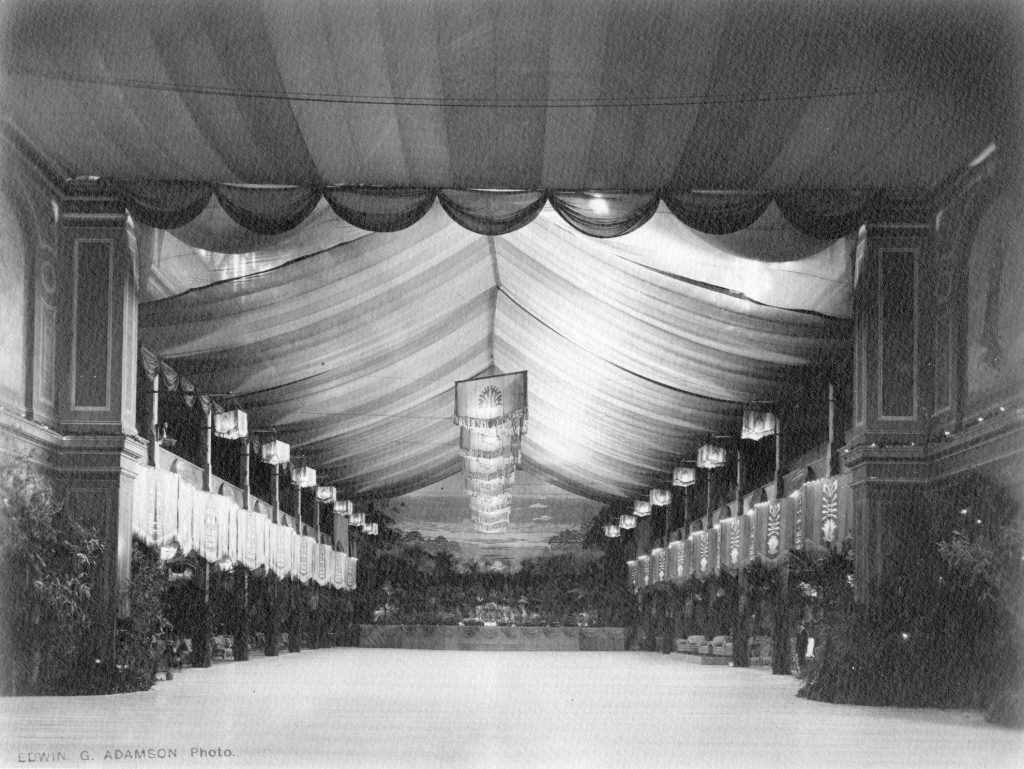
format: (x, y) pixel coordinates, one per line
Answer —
(661, 497)
(758, 425)
(304, 477)
(627, 521)
(710, 456)
(342, 507)
(370, 529)
(611, 530)
(275, 452)
(684, 476)
(326, 493)
(641, 508)
(232, 424)
(356, 519)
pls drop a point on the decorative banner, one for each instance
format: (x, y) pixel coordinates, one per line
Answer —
(186, 517)
(658, 565)
(684, 566)
(751, 525)
(705, 545)
(758, 425)
(233, 549)
(285, 535)
(673, 560)
(828, 502)
(645, 570)
(710, 456)
(209, 546)
(734, 543)
(684, 476)
(302, 563)
(661, 497)
(633, 568)
(224, 506)
(320, 573)
(164, 522)
(265, 553)
(350, 573)
(799, 520)
(338, 578)
(773, 523)
(494, 405)
(249, 528)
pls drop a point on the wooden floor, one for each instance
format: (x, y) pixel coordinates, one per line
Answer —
(406, 708)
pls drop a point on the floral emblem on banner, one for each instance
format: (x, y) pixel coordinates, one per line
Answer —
(798, 522)
(661, 566)
(774, 528)
(489, 396)
(734, 543)
(829, 509)
(704, 542)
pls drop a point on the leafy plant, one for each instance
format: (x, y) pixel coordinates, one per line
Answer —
(48, 562)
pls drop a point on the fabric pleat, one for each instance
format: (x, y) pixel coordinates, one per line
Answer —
(604, 214)
(379, 209)
(164, 204)
(268, 211)
(716, 213)
(492, 212)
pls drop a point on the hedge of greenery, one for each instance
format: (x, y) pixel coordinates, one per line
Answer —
(47, 566)
(947, 633)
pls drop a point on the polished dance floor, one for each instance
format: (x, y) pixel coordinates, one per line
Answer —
(350, 707)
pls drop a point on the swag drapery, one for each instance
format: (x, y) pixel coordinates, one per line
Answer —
(820, 214)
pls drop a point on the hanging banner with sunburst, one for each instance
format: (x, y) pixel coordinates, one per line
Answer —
(491, 412)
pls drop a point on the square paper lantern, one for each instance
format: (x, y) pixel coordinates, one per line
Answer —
(627, 521)
(232, 424)
(758, 425)
(326, 493)
(356, 519)
(304, 477)
(710, 456)
(275, 453)
(641, 508)
(661, 497)
(342, 507)
(684, 476)
(611, 530)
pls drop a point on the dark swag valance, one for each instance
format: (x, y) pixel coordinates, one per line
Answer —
(822, 214)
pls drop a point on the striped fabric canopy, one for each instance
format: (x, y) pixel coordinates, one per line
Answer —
(729, 146)
(636, 347)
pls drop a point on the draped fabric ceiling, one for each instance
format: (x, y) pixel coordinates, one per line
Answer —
(749, 137)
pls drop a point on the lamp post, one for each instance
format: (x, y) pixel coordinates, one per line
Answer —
(274, 453)
(302, 478)
(234, 425)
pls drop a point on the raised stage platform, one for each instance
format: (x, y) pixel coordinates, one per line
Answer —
(476, 638)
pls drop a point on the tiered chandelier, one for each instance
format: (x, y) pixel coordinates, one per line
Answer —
(492, 414)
